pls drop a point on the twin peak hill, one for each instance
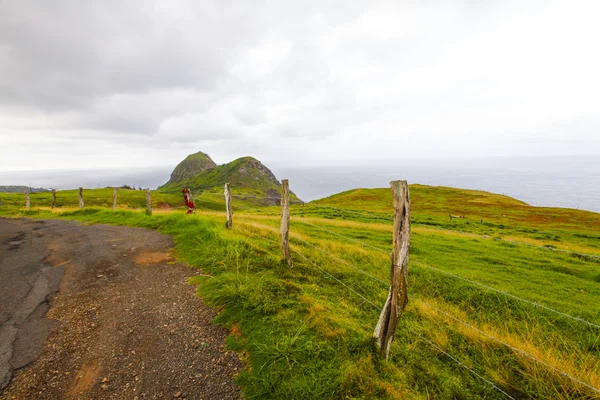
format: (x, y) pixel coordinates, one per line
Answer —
(250, 180)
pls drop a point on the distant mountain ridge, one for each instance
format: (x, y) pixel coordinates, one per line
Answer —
(247, 175)
(21, 188)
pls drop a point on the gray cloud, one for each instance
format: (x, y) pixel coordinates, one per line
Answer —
(294, 80)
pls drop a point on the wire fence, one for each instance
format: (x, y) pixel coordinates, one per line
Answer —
(516, 350)
(533, 303)
(446, 314)
(423, 265)
(368, 215)
(379, 309)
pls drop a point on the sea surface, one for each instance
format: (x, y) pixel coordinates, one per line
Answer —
(572, 182)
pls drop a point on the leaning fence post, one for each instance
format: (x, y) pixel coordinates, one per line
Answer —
(80, 197)
(228, 206)
(115, 190)
(53, 198)
(285, 222)
(27, 202)
(148, 202)
(398, 295)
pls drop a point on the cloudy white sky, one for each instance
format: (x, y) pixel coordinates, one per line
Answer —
(144, 83)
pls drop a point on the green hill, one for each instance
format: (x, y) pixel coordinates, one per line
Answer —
(191, 166)
(438, 202)
(250, 180)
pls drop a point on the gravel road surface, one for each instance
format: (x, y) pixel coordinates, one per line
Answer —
(104, 312)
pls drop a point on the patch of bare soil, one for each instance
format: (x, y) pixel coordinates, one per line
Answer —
(152, 257)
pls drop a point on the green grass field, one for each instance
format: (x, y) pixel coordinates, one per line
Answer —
(128, 199)
(474, 326)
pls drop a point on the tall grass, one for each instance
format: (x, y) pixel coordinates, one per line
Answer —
(303, 335)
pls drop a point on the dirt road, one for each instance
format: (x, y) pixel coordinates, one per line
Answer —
(124, 324)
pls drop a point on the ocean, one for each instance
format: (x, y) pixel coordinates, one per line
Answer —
(571, 182)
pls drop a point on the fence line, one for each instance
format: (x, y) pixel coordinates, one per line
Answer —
(345, 237)
(437, 228)
(362, 213)
(338, 280)
(311, 262)
(342, 261)
(467, 324)
(508, 294)
(522, 352)
(468, 280)
(465, 279)
(461, 363)
(379, 309)
(412, 330)
(367, 214)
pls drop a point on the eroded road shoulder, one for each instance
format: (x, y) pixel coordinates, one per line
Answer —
(124, 325)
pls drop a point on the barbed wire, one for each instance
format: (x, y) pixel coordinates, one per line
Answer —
(362, 213)
(377, 216)
(338, 280)
(420, 264)
(493, 385)
(470, 326)
(243, 197)
(465, 323)
(536, 304)
(460, 363)
(342, 261)
(523, 352)
(465, 279)
(437, 228)
(378, 308)
(345, 237)
(334, 257)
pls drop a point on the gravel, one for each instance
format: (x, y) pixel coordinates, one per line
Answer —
(125, 323)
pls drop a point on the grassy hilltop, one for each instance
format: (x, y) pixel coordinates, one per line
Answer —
(191, 166)
(474, 283)
(251, 182)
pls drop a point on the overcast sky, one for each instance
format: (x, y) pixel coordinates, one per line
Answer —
(144, 83)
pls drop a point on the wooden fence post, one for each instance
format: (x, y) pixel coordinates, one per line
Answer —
(285, 222)
(115, 190)
(53, 198)
(27, 202)
(148, 202)
(398, 295)
(80, 197)
(228, 206)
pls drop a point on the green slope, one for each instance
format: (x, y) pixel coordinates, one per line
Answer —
(192, 165)
(250, 181)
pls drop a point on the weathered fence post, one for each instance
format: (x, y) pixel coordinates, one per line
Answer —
(398, 295)
(285, 222)
(115, 190)
(80, 197)
(148, 202)
(228, 206)
(27, 202)
(53, 198)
